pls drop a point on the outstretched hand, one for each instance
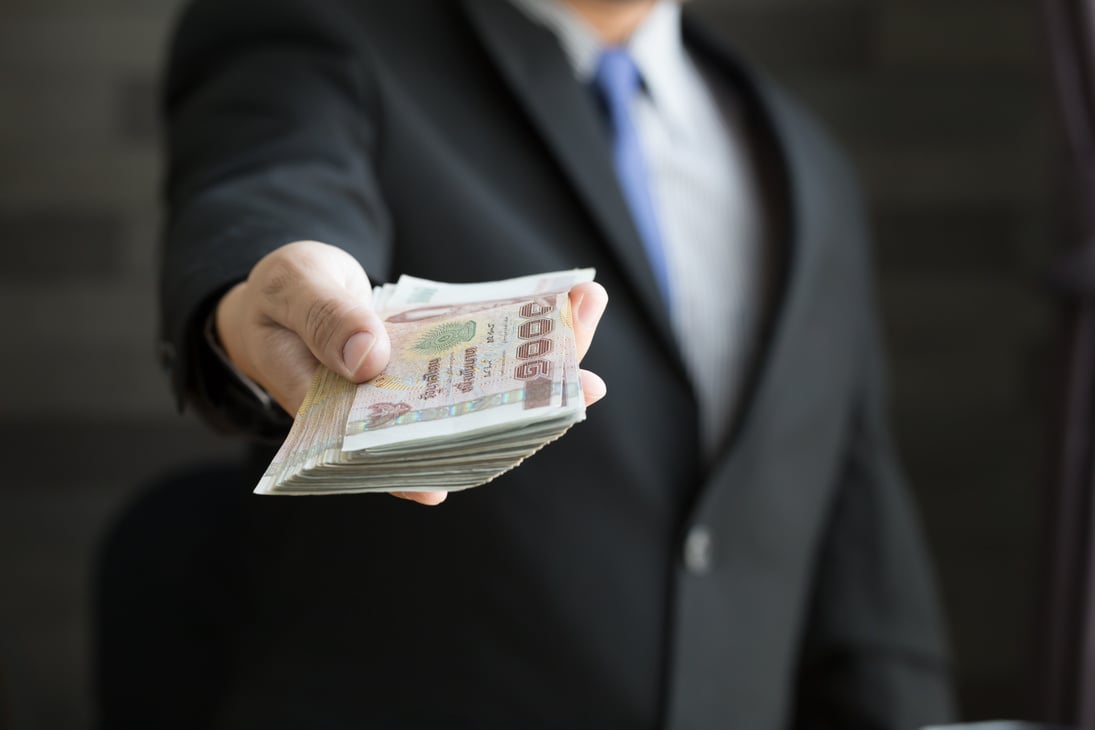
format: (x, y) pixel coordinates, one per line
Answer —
(308, 303)
(303, 304)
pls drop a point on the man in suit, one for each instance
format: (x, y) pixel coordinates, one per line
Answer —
(725, 542)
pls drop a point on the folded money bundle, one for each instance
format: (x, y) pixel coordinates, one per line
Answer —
(481, 377)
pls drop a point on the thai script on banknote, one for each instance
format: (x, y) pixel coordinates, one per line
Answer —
(481, 377)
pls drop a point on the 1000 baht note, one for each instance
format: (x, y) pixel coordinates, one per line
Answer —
(463, 367)
(481, 376)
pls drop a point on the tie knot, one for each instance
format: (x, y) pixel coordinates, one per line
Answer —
(617, 77)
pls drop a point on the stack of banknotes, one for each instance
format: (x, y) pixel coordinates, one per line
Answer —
(481, 377)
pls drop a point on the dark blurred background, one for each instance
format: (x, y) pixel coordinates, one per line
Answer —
(943, 104)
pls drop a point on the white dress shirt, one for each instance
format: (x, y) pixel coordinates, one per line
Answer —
(706, 195)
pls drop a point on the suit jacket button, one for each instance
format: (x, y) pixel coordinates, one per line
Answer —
(699, 550)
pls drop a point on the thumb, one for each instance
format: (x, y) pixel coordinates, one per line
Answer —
(342, 331)
(321, 294)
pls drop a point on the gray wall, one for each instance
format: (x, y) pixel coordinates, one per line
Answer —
(940, 103)
(86, 414)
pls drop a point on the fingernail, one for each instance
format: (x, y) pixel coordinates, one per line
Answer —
(356, 350)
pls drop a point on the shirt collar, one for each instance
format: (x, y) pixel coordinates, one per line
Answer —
(656, 48)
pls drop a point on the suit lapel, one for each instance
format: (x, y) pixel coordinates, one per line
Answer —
(805, 203)
(568, 120)
(780, 171)
(813, 241)
(566, 116)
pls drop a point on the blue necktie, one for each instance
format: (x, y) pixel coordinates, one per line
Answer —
(617, 81)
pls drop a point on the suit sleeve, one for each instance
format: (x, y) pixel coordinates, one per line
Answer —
(271, 131)
(874, 655)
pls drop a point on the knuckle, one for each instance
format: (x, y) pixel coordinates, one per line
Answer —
(277, 275)
(322, 321)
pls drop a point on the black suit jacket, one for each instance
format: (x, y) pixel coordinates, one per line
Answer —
(612, 581)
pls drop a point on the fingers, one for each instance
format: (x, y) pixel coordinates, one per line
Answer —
(430, 499)
(592, 386)
(322, 294)
(288, 368)
(304, 303)
(267, 353)
(588, 301)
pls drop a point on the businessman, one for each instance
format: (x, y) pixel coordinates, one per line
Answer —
(725, 543)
